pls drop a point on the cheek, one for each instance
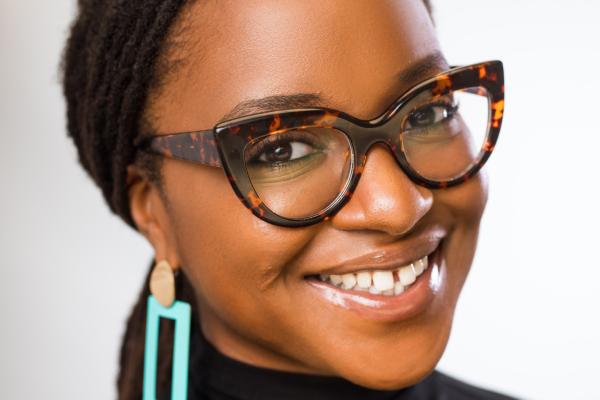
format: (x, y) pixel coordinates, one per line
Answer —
(465, 205)
(466, 202)
(233, 259)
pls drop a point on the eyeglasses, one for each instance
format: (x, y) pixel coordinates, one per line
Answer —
(298, 167)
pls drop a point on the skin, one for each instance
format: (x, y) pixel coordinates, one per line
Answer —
(248, 275)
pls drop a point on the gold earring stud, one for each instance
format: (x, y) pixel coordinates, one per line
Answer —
(162, 283)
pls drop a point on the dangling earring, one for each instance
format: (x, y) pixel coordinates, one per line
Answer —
(161, 303)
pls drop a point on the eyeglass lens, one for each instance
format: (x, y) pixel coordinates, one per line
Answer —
(442, 137)
(298, 173)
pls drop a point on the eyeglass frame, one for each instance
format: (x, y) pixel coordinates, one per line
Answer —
(223, 145)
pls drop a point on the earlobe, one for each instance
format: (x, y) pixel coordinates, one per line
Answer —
(147, 213)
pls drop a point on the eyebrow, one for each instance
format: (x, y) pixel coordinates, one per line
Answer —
(276, 102)
(423, 68)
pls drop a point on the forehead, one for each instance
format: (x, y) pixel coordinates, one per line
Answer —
(350, 53)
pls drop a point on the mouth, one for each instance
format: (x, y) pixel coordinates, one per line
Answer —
(378, 282)
(395, 293)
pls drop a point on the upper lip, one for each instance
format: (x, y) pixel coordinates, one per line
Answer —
(385, 258)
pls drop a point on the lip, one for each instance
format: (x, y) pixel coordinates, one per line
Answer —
(386, 258)
(412, 302)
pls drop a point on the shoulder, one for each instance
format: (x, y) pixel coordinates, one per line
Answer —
(451, 388)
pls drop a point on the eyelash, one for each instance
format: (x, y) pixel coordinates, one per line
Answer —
(449, 104)
(260, 145)
(263, 143)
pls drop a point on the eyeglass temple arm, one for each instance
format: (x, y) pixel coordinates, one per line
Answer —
(198, 147)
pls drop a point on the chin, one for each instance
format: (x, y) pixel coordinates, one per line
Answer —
(395, 363)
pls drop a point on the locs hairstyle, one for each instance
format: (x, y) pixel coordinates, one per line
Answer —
(113, 59)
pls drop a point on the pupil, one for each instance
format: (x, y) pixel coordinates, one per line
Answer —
(422, 117)
(280, 153)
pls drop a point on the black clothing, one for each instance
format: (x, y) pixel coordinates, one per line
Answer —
(215, 376)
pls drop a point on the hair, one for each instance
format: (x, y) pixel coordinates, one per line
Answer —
(114, 58)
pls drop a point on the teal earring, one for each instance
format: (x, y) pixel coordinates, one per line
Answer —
(161, 303)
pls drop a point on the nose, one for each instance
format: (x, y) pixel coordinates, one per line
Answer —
(385, 199)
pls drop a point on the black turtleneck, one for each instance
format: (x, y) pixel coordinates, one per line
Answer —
(215, 376)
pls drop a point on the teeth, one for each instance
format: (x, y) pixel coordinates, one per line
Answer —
(420, 266)
(363, 279)
(348, 281)
(374, 290)
(336, 279)
(407, 275)
(398, 288)
(383, 280)
(380, 282)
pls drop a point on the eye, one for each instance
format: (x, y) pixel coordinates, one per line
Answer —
(429, 115)
(284, 148)
(284, 151)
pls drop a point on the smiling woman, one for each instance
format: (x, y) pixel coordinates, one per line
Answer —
(309, 176)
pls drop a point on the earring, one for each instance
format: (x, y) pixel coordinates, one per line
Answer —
(161, 303)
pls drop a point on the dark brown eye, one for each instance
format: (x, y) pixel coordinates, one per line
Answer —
(287, 151)
(277, 153)
(429, 115)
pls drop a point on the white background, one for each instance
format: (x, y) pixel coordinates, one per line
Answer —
(527, 322)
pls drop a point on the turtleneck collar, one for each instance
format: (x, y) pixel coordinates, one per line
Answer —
(216, 376)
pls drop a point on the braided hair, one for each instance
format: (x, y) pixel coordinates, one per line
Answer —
(113, 59)
(109, 66)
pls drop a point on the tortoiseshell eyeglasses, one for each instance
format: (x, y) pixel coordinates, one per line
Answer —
(299, 167)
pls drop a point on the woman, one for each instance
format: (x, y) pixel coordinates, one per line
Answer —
(307, 173)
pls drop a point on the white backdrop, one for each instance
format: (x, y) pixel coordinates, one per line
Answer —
(527, 322)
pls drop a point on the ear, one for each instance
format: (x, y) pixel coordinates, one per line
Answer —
(149, 214)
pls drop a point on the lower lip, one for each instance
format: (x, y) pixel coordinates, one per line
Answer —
(410, 303)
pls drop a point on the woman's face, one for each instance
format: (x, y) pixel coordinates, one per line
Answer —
(255, 301)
